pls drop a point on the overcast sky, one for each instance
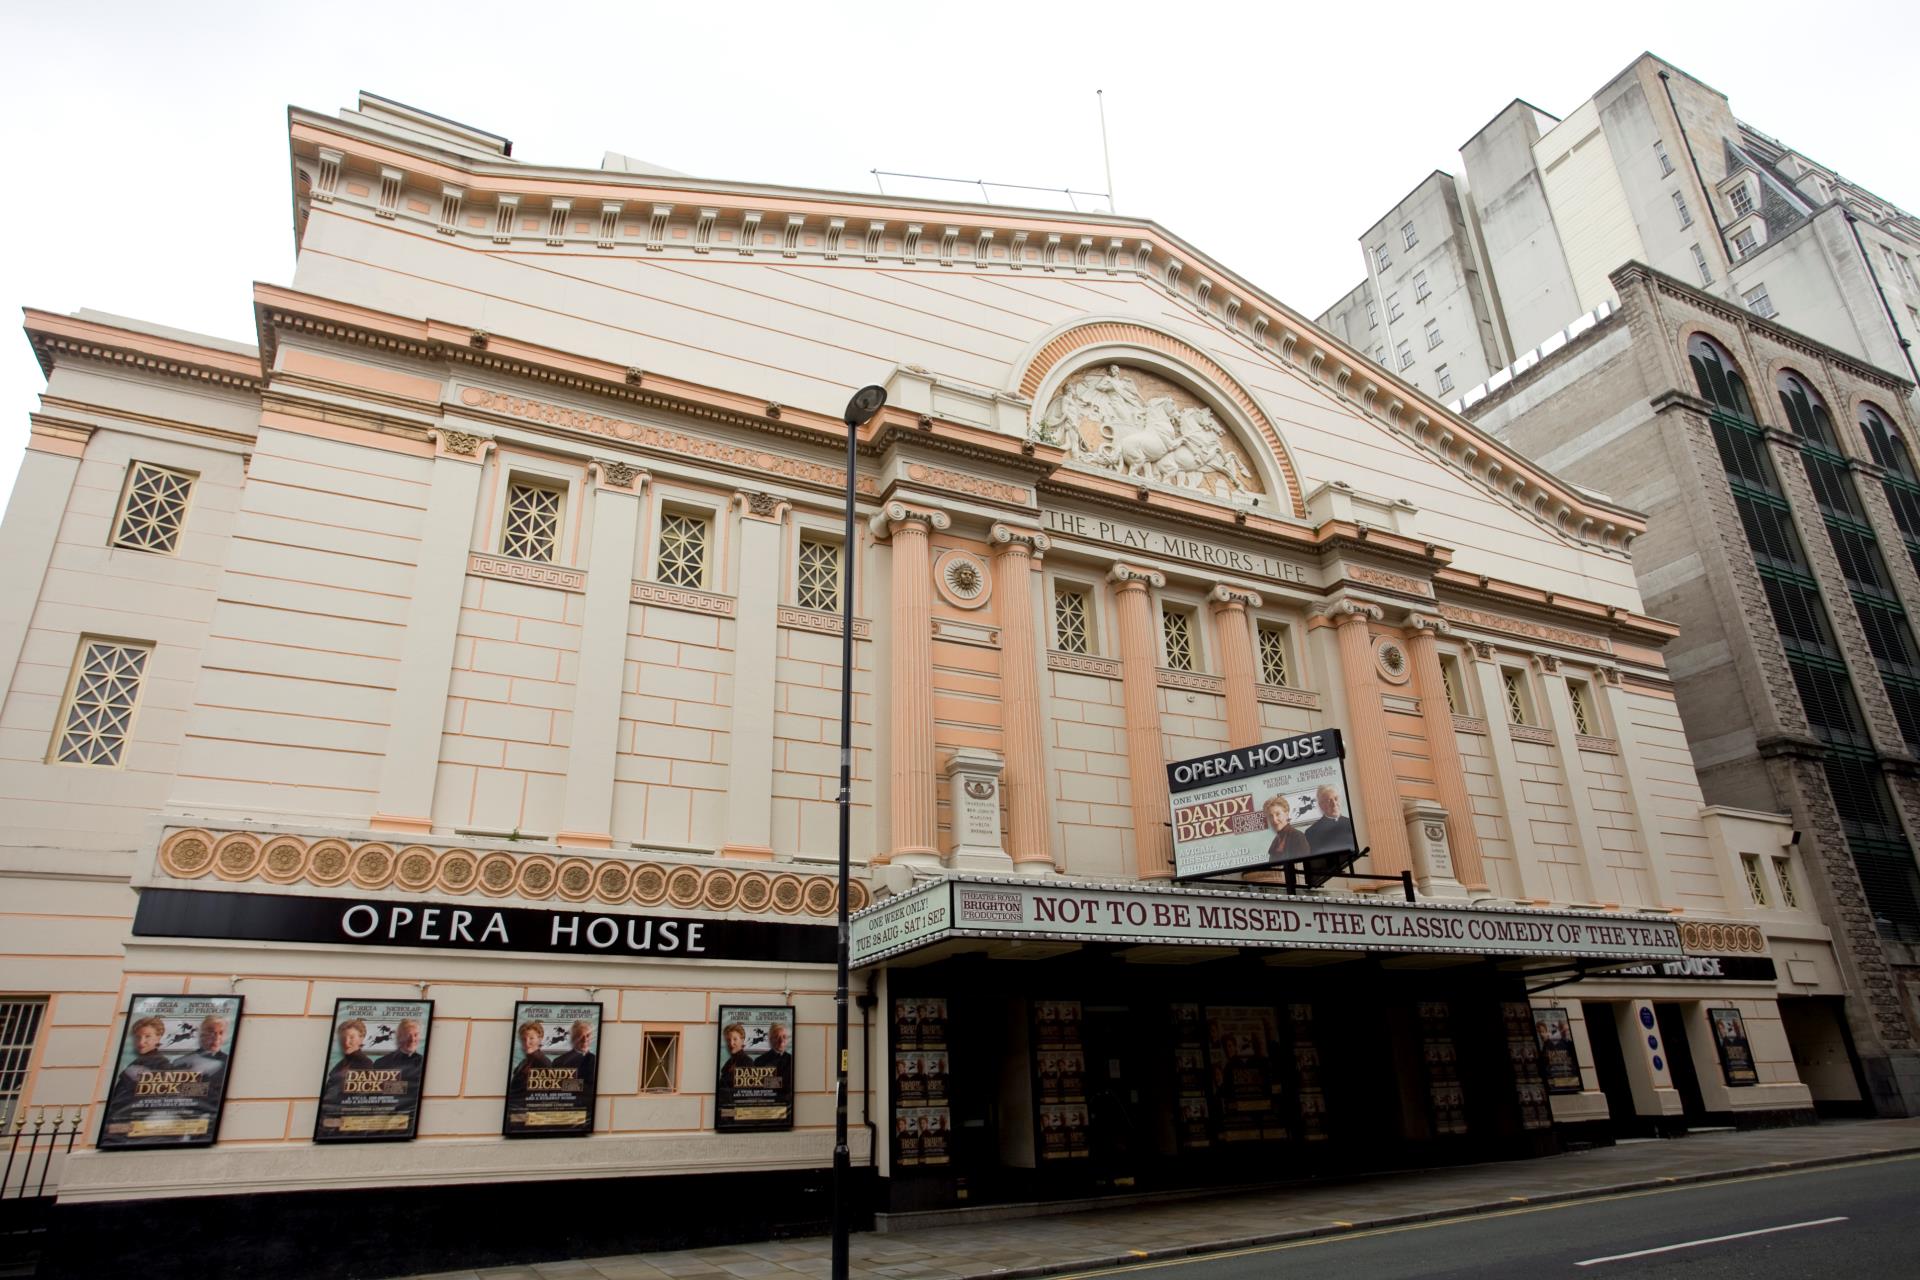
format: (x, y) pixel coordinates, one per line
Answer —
(147, 142)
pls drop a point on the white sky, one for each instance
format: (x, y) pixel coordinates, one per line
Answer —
(147, 142)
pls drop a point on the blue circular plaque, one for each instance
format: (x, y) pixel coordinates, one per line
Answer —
(1646, 1017)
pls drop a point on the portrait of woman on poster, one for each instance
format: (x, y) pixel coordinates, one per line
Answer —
(1289, 841)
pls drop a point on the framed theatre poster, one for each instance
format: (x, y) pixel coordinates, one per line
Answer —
(1558, 1062)
(170, 1076)
(376, 1070)
(1736, 1055)
(755, 1088)
(552, 1070)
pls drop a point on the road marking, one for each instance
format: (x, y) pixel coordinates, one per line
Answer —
(1695, 1244)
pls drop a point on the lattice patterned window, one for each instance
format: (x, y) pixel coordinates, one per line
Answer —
(532, 527)
(154, 508)
(98, 718)
(683, 550)
(1450, 681)
(1783, 873)
(819, 574)
(19, 1026)
(1273, 653)
(660, 1062)
(1176, 629)
(1582, 718)
(1515, 685)
(1756, 883)
(1072, 625)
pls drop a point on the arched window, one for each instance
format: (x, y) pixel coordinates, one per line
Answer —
(1719, 379)
(1806, 411)
(1884, 442)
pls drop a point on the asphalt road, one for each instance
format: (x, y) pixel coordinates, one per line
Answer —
(1849, 1220)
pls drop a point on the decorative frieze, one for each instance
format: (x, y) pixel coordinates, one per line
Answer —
(1083, 664)
(972, 485)
(1389, 581)
(1191, 680)
(330, 861)
(660, 595)
(530, 572)
(1282, 695)
(1721, 938)
(1470, 724)
(821, 621)
(1532, 630)
(1530, 733)
(1588, 742)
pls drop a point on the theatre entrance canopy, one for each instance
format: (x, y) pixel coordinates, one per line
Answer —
(1173, 924)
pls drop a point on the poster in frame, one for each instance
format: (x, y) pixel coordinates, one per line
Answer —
(553, 1069)
(1276, 804)
(754, 1089)
(1558, 1061)
(170, 1075)
(375, 1071)
(1736, 1054)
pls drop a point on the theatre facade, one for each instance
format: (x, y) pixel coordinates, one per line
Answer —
(421, 729)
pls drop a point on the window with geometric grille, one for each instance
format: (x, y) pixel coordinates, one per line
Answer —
(1582, 701)
(819, 574)
(1176, 629)
(153, 509)
(682, 561)
(1783, 873)
(531, 530)
(19, 1028)
(660, 1062)
(1450, 681)
(1273, 654)
(1756, 881)
(1072, 620)
(101, 696)
(1519, 709)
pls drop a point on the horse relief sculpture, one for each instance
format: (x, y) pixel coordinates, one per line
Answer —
(1101, 418)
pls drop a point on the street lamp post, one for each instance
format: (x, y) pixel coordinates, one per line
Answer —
(860, 410)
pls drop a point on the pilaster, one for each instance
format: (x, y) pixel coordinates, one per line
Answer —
(1371, 750)
(1236, 662)
(763, 561)
(1527, 870)
(1443, 748)
(1016, 562)
(1140, 687)
(914, 834)
(41, 492)
(1573, 774)
(1633, 763)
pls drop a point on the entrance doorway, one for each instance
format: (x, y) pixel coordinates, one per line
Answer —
(1610, 1064)
(1672, 1020)
(1119, 1114)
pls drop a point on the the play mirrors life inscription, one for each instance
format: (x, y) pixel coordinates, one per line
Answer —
(1172, 545)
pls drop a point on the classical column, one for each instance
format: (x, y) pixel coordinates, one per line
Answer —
(1449, 777)
(756, 622)
(586, 814)
(1237, 663)
(1140, 686)
(1370, 754)
(910, 684)
(1016, 559)
(407, 772)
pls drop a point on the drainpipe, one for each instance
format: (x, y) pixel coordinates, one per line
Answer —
(866, 1003)
(1706, 193)
(1906, 347)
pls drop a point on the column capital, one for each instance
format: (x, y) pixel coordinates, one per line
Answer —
(1545, 663)
(754, 504)
(1345, 611)
(622, 477)
(1128, 578)
(1482, 649)
(1425, 626)
(468, 445)
(1607, 675)
(1013, 539)
(896, 515)
(1226, 597)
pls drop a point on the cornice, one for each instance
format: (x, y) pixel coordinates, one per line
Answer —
(1479, 590)
(55, 338)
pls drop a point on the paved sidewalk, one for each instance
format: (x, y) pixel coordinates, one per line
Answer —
(1033, 1246)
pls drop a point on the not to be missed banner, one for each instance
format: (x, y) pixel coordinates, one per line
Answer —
(170, 1077)
(1264, 806)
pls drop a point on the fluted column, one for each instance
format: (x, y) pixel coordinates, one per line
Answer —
(586, 815)
(1370, 755)
(1236, 663)
(1140, 685)
(1016, 556)
(913, 800)
(1449, 776)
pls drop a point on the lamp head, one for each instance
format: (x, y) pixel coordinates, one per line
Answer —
(866, 402)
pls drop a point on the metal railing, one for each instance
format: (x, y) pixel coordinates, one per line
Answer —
(36, 1138)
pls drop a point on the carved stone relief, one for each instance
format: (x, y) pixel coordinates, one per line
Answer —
(1145, 427)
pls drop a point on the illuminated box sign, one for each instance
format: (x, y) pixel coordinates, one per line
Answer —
(1262, 806)
(990, 907)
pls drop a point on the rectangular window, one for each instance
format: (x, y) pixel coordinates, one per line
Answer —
(1433, 334)
(19, 1028)
(1746, 241)
(1741, 198)
(1906, 270)
(1421, 289)
(682, 561)
(1450, 681)
(1582, 717)
(1680, 207)
(819, 570)
(1660, 152)
(1072, 621)
(1446, 378)
(1405, 350)
(1273, 653)
(102, 694)
(1756, 883)
(153, 509)
(1407, 233)
(1515, 685)
(1373, 314)
(1783, 874)
(532, 527)
(1381, 260)
(660, 1062)
(1700, 261)
(1380, 356)
(1176, 629)
(1393, 307)
(1759, 303)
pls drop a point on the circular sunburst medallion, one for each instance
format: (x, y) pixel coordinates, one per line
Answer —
(373, 866)
(786, 894)
(962, 579)
(649, 885)
(857, 895)
(535, 876)
(236, 856)
(756, 891)
(1391, 658)
(683, 886)
(458, 867)
(328, 861)
(187, 854)
(575, 879)
(721, 890)
(413, 868)
(819, 896)
(496, 874)
(282, 859)
(612, 882)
